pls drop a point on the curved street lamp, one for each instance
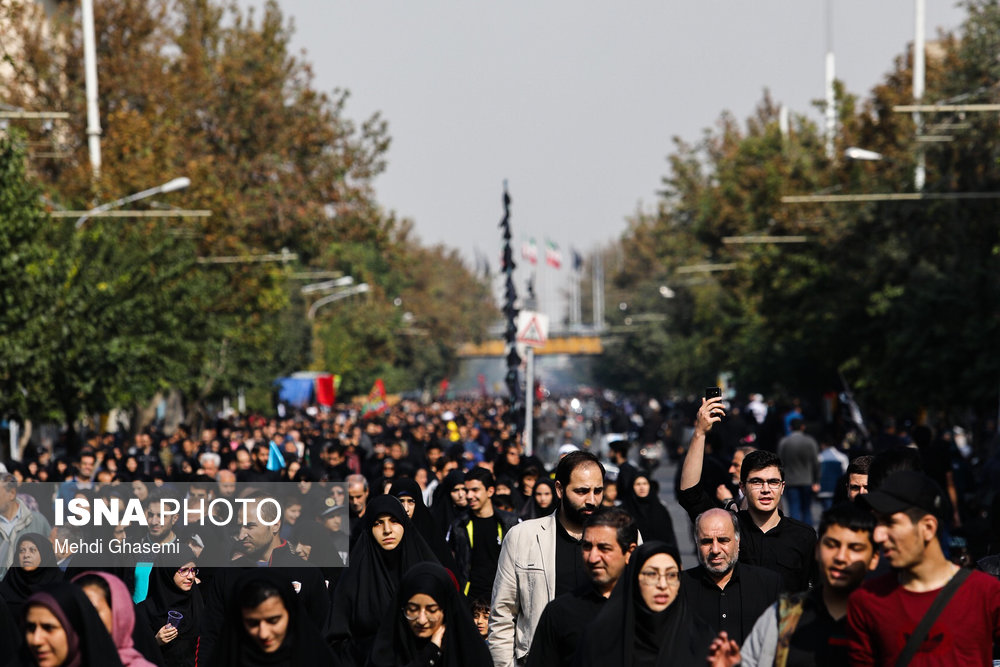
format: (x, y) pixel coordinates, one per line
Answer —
(337, 296)
(169, 186)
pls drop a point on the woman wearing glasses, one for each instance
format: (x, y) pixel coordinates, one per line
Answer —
(428, 625)
(173, 609)
(646, 622)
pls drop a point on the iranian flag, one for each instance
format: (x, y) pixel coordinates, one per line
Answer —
(529, 251)
(552, 255)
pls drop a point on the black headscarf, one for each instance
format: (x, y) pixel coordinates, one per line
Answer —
(322, 541)
(396, 646)
(651, 517)
(303, 643)
(442, 509)
(531, 510)
(424, 522)
(19, 584)
(366, 590)
(164, 596)
(625, 633)
(90, 645)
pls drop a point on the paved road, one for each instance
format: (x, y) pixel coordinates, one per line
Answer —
(665, 475)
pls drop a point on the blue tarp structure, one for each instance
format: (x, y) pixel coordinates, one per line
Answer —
(299, 389)
(297, 392)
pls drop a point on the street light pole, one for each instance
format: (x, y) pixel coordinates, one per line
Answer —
(920, 174)
(90, 76)
(337, 296)
(831, 108)
(169, 186)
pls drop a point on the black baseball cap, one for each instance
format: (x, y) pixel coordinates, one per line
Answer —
(907, 489)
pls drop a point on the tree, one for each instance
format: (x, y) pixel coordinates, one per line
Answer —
(206, 90)
(900, 297)
(96, 317)
(27, 281)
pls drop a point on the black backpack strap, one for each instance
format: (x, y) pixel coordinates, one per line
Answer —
(924, 627)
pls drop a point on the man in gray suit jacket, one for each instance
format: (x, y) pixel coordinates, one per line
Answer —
(540, 559)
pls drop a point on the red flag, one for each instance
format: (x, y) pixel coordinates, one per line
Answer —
(443, 390)
(376, 402)
(326, 392)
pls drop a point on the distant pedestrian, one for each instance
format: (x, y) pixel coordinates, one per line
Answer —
(799, 452)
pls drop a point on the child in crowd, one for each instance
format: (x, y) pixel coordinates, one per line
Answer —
(481, 616)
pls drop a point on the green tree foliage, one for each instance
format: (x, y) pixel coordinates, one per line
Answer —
(901, 297)
(96, 317)
(27, 283)
(203, 89)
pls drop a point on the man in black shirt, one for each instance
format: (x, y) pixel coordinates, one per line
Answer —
(609, 537)
(767, 538)
(728, 594)
(475, 537)
(618, 453)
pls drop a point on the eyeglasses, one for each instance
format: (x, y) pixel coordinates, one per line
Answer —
(652, 577)
(756, 483)
(186, 571)
(411, 612)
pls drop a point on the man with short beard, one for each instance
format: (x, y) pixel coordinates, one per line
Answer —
(540, 559)
(728, 594)
(609, 537)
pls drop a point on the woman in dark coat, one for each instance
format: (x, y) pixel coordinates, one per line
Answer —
(428, 625)
(34, 566)
(173, 586)
(651, 516)
(409, 494)
(544, 500)
(444, 509)
(109, 595)
(83, 640)
(646, 622)
(266, 625)
(387, 548)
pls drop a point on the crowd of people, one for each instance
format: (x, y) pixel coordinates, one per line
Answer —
(424, 535)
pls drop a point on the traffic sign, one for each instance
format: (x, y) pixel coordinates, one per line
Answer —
(532, 328)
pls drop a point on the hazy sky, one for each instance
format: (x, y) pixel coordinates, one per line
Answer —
(575, 102)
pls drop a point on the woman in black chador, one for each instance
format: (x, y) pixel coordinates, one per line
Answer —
(646, 622)
(389, 546)
(34, 566)
(408, 492)
(428, 624)
(266, 625)
(651, 516)
(173, 586)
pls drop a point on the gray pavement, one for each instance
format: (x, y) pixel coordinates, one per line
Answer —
(665, 475)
